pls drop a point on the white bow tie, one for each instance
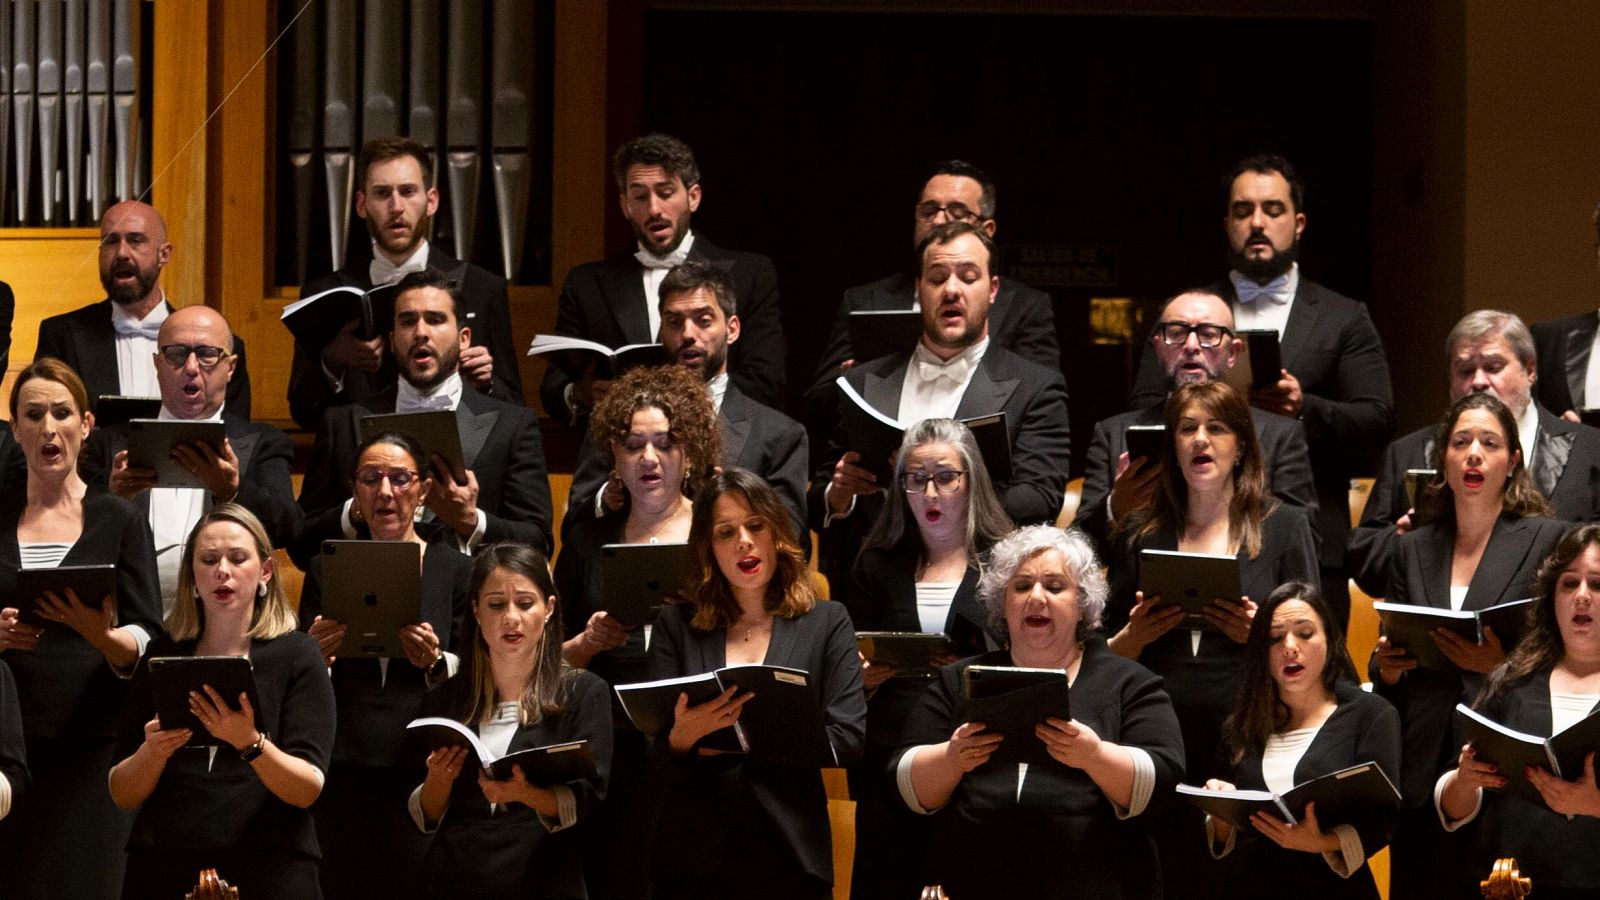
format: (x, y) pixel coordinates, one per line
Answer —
(384, 272)
(405, 404)
(955, 371)
(1277, 289)
(151, 330)
(651, 261)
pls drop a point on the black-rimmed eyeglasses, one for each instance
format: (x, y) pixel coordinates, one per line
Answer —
(955, 212)
(177, 355)
(943, 481)
(1208, 336)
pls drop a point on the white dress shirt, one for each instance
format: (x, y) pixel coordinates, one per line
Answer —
(655, 271)
(1270, 311)
(173, 511)
(136, 366)
(1528, 432)
(496, 736)
(1591, 377)
(933, 387)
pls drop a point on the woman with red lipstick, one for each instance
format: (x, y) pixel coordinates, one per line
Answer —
(500, 840)
(658, 432)
(1301, 714)
(1484, 536)
(1549, 682)
(918, 571)
(1074, 827)
(242, 808)
(736, 827)
(70, 673)
(368, 842)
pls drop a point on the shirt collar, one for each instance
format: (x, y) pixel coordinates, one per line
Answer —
(645, 255)
(384, 272)
(968, 357)
(166, 414)
(717, 387)
(155, 316)
(445, 395)
(1528, 431)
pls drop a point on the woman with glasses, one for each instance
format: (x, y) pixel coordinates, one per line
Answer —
(658, 432)
(369, 844)
(917, 572)
(69, 654)
(1213, 500)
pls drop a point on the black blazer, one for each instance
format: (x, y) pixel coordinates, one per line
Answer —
(1565, 467)
(8, 310)
(1362, 729)
(1021, 320)
(582, 593)
(1419, 572)
(13, 464)
(1060, 814)
(486, 309)
(1283, 451)
(1562, 349)
(604, 301)
(66, 688)
(85, 340)
(1331, 346)
(502, 447)
(1034, 400)
(374, 709)
(1204, 685)
(1550, 848)
(265, 458)
(13, 752)
(704, 792)
(755, 437)
(204, 804)
(507, 853)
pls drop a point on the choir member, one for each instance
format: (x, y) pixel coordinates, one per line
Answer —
(242, 808)
(66, 839)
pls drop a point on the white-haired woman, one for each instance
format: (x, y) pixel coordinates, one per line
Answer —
(1120, 751)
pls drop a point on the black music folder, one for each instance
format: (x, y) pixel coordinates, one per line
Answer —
(1410, 625)
(92, 584)
(1012, 700)
(880, 332)
(783, 722)
(1512, 751)
(574, 355)
(543, 766)
(172, 678)
(1190, 580)
(1340, 798)
(877, 437)
(315, 320)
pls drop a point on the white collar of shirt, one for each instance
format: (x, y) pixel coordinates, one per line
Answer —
(956, 370)
(1528, 432)
(655, 271)
(933, 387)
(136, 367)
(384, 272)
(445, 395)
(718, 388)
(168, 416)
(149, 324)
(1271, 313)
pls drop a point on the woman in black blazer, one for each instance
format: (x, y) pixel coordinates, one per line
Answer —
(733, 825)
(511, 839)
(1549, 682)
(917, 572)
(241, 808)
(1484, 537)
(67, 838)
(1075, 825)
(1301, 715)
(369, 845)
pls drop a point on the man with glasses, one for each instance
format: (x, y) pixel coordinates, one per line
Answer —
(1335, 378)
(110, 343)
(504, 495)
(616, 301)
(1021, 321)
(193, 368)
(954, 371)
(1194, 341)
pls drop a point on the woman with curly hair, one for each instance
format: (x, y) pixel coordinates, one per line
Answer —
(740, 827)
(659, 434)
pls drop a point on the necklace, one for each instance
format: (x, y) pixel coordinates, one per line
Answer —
(750, 627)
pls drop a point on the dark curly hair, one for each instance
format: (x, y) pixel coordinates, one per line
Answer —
(672, 155)
(1542, 645)
(681, 396)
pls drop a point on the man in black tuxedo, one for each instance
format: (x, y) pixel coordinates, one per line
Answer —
(194, 369)
(397, 200)
(953, 372)
(1335, 378)
(1491, 351)
(699, 325)
(110, 344)
(506, 495)
(1569, 369)
(616, 301)
(1194, 341)
(1022, 319)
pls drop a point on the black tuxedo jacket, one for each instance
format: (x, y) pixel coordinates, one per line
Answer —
(1565, 468)
(1034, 400)
(1420, 574)
(1562, 350)
(1283, 451)
(486, 309)
(1331, 347)
(502, 447)
(85, 340)
(604, 301)
(13, 465)
(754, 437)
(265, 458)
(1021, 320)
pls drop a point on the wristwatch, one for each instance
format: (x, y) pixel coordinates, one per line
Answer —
(250, 753)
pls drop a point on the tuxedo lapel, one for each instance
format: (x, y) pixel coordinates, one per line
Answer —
(1575, 362)
(1509, 545)
(1434, 558)
(987, 394)
(244, 448)
(96, 344)
(1301, 325)
(474, 428)
(883, 391)
(734, 418)
(1551, 451)
(624, 294)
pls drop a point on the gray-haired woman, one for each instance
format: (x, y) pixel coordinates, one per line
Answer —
(1119, 753)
